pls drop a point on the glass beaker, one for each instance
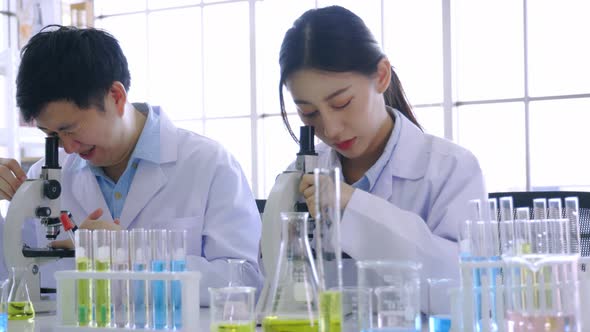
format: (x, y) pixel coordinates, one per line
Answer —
(396, 286)
(19, 302)
(4, 305)
(356, 308)
(293, 296)
(327, 247)
(232, 309)
(440, 304)
(544, 297)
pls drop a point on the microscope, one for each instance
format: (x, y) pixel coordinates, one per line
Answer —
(284, 197)
(36, 199)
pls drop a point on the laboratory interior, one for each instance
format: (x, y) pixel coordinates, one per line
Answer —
(294, 165)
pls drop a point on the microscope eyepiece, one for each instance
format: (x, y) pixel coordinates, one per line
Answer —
(306, 138)
(51, 152)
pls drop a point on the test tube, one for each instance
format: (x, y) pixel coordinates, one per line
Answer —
(120, 287)
(138, 244)
(493, 204)
(572, 213)
(83, 240)
(507, 226)
(557, 225)
(177, 239)
(102, 288)
(159, 260)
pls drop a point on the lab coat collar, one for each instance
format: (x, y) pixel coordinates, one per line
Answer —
(148, 180)
(410, 158)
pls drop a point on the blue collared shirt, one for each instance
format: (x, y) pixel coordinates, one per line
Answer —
(147, 149)
(367, 182)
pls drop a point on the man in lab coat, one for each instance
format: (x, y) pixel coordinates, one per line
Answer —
(126, 165)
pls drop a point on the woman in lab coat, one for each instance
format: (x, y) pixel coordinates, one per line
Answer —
(404, 191)
(129, 162)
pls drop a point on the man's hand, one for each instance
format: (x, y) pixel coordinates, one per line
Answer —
(11, 177)
(307, 189)
(92, 222)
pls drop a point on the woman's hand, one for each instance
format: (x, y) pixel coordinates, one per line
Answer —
(307, 189)
(92, 222)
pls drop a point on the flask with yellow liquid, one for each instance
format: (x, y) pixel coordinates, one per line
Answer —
(19, 305)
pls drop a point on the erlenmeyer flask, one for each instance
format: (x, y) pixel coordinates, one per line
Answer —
(292, 303)
(20, 306)
(235, 272)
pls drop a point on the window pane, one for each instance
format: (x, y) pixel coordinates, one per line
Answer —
(413, 44)
(558, 54)
(129, 30)
(368, 10)
(155, 4)
(273, 19)
(559, 137)
(175, 62)
(196, 126)
(489, 49)
(227, 59)
(431, 119)
(238, 143)
(495, 134)
(278, 150)
(108, 7)
(3, 32)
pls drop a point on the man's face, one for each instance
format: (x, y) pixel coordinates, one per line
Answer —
(93, 134)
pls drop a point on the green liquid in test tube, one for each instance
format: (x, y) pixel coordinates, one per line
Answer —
(83, 240)
(102, 263)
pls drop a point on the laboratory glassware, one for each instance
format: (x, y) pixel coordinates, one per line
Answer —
(236, 266)
(101, 240)
(177, 240)
(327, 247)
(396, 288)
(232, 309)
(293, 298)
(4, 289)
(356, 308)
(120, 288)
(83, 241)
(159, 263)
(139, 257)
(19, 302)
(439, 304)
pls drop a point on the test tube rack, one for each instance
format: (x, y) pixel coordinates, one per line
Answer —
(66, 299)
(469, 305)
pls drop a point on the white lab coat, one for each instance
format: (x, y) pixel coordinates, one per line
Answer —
(416, 205)
(198, 186)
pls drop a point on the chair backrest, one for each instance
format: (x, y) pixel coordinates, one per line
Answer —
(525, 199)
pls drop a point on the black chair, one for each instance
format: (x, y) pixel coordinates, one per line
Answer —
(525, 199)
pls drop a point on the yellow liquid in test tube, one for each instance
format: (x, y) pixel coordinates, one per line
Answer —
(84, 293)
(274, 324)
(330, 311)
(228, 327)
(103, 295)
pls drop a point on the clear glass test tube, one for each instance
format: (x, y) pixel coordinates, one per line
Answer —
(557, 226)
(159, 263)
(572, 213)
(507, 226)
(539, 208)
(177, 240)
(83, 239)
(102, 287)
(139, 257)
(120, 288)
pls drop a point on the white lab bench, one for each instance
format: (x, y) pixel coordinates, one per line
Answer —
(46, 323)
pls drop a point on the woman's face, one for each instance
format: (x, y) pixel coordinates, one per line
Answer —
(346, 109)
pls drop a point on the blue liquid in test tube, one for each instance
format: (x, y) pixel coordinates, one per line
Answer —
(139, 298)
(159, 263)
(3, 322)
(439, 323)
(177, 240)
(160, 302)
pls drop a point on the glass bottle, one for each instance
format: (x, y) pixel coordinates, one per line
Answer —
(292, 303)
(19, 302)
